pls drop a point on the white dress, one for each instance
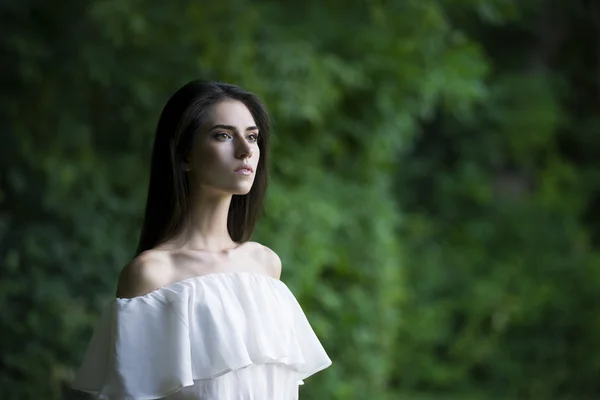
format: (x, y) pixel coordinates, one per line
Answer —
(221, 336)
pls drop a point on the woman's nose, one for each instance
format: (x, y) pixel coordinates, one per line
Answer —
(244, 151)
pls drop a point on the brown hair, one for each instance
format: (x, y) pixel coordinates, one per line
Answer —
(167, 203)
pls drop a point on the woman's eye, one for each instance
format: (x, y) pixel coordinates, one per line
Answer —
(224, 135)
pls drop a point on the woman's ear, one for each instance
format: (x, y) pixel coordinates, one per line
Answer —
(186, 165)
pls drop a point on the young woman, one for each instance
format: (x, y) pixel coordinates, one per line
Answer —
(200, 312)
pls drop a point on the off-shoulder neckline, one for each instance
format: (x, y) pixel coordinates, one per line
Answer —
(199, 278)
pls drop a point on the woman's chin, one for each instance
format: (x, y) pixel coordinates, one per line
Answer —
(241, 190)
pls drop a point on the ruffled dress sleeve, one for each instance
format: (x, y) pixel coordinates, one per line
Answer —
(195, 331)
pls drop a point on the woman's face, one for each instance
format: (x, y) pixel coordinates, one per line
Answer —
(228, 141)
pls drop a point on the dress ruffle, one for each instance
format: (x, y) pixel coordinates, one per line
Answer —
(152, 346)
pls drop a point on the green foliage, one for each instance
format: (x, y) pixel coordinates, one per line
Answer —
(502, 269)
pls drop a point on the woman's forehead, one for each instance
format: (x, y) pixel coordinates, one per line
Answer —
(230, 112)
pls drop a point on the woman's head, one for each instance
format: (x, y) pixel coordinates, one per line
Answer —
(206, 131)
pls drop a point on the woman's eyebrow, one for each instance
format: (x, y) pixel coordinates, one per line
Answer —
(233, 128)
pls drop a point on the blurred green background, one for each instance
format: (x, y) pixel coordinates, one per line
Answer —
(435, 193)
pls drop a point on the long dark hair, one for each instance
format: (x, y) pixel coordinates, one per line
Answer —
(168, 202)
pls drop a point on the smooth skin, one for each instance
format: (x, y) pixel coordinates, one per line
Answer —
(228, 141)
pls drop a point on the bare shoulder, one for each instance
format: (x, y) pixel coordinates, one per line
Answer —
(147, 272)
(271, 260)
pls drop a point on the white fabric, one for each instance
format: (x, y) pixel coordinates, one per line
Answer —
(221, 336)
